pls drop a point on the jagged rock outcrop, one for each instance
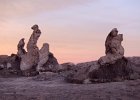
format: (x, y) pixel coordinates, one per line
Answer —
(20, 48)
(114, 49)
(43, 56)
(92, 72)
(10, 62)
(80, 72)
(31, 58)
(78, 76)
(118, 71)
(67, 66)
(112, 67)
(10, 66)
(51, 65)
(47, 61)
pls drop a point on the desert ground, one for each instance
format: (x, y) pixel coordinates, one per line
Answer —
(55, 88)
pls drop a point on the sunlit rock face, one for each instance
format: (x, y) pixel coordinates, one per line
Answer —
(10, 66)
(114, 48)
(43, 56)
(31, 58)
(51, 65)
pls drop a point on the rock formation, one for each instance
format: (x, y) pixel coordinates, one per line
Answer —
(31, 58)
(3, 61)
(111, 38)
(47, 61)
(20, 48)
(112, 67)
(10, 66)
(67, 66)
(118, 71)
(114, 49)
(51, 65)
(78, 75)
(43, 56)
(80, 72)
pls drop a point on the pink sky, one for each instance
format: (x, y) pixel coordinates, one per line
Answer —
(75, 29)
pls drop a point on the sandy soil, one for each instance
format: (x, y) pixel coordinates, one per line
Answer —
(56, 89)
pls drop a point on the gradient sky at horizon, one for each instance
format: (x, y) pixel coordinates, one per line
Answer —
(75, 29)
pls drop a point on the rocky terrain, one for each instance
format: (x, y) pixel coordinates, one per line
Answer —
(52, 86)
(35, 74)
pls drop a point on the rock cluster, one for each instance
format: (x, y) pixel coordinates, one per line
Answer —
(112, 67)
(10, 66)
(114, 49)
(34, 60)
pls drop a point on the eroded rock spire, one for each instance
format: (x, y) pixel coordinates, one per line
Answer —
(31, 58)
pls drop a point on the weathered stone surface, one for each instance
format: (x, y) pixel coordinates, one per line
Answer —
(114, 49)
(78, 76)
(31, 58)
(135, 62)
(3, 61)
(30, 73)
(20, 48)
(119, 71)
(51, 65)
(9, 62)
(80, 72)
(112, 67)
(11, 66)
(67, 66)
(14, 61)
(43, 56)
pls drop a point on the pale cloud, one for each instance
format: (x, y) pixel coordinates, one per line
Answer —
(18, 8)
